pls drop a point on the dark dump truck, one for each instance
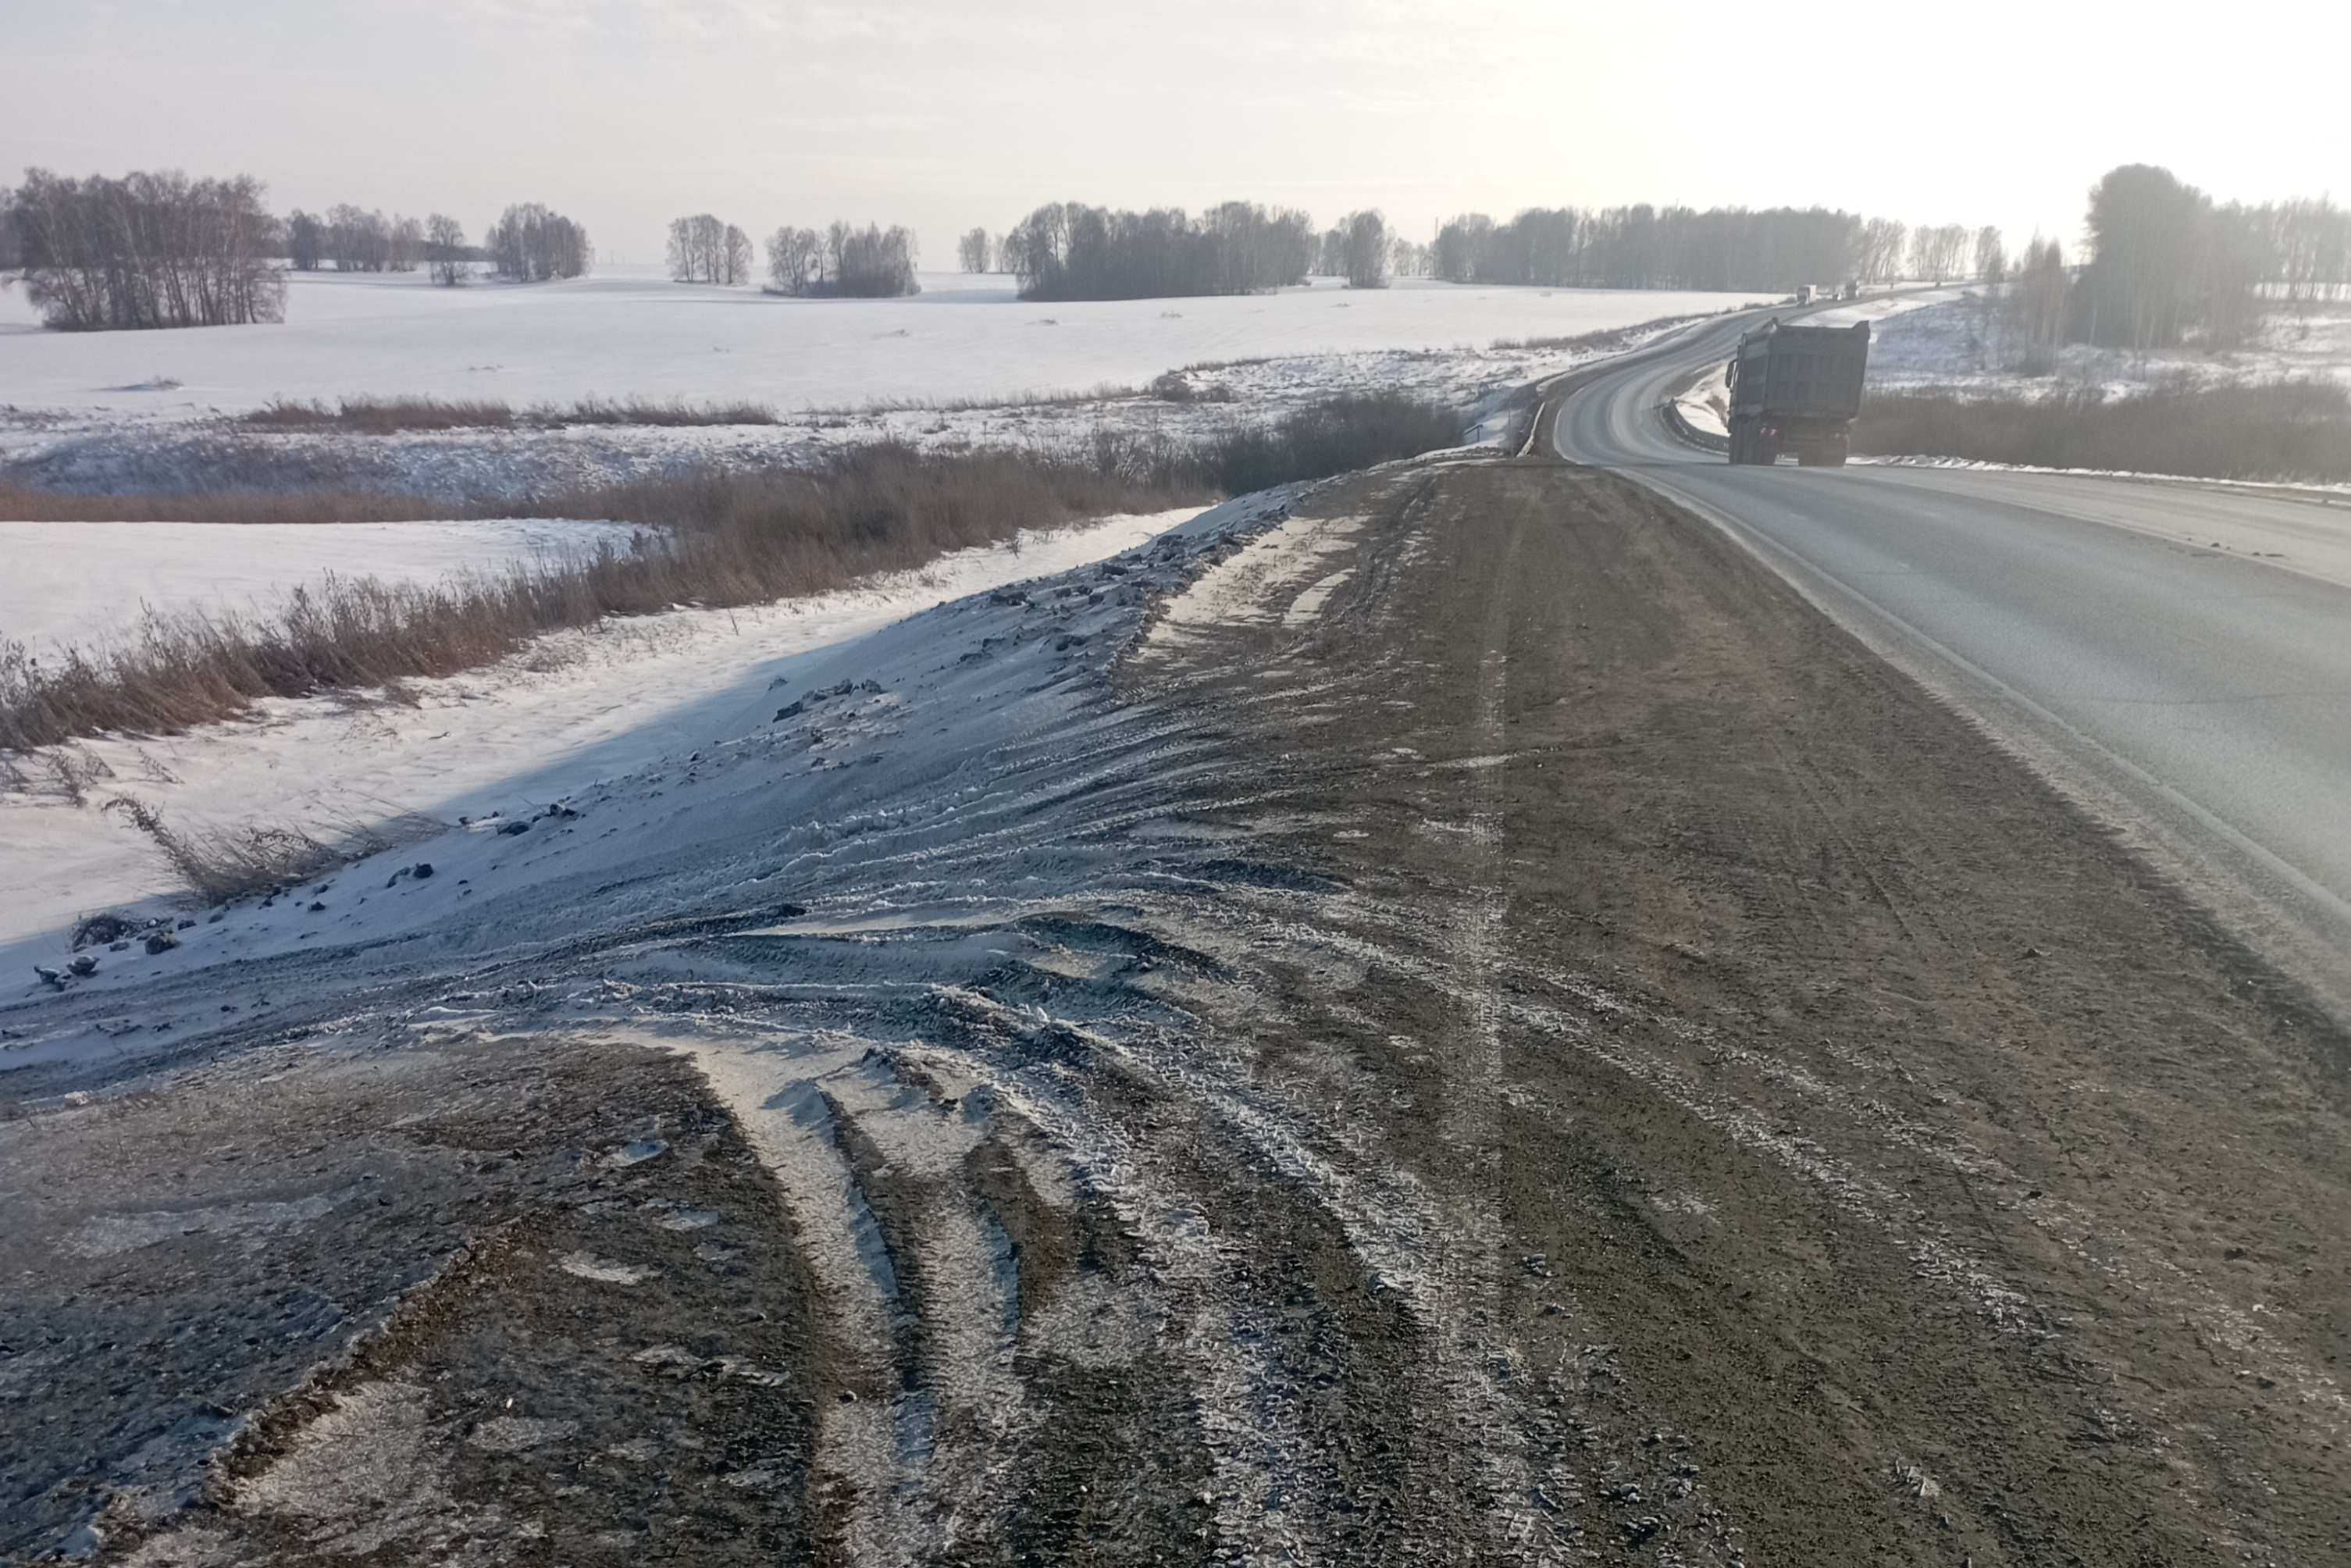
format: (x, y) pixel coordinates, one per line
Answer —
(1796, 390)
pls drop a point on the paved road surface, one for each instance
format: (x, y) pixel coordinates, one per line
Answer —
(2199, 698)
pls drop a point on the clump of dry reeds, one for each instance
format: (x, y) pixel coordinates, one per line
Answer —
(1607, 339)
(238, 863)
(382, 416)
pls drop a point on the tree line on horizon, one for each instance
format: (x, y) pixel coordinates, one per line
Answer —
(2164, 262)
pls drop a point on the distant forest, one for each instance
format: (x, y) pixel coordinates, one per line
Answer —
(2169, 263)
(1724, 248)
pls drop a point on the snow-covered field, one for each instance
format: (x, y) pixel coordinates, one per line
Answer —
(629, 332)
(86, 582)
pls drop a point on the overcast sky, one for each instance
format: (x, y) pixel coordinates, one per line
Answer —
(625, 113)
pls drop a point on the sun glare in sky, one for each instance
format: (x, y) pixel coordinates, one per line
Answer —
(941, 116)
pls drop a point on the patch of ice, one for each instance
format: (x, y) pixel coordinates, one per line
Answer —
(605, 1270)
(1258, 584)
(105, 1235)
(519, 1434)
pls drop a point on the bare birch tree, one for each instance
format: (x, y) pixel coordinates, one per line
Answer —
(792, 260)
(1364, 249)
(444, 249)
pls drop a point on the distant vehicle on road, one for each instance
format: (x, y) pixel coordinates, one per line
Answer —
(1796, 390)
(1803, 293)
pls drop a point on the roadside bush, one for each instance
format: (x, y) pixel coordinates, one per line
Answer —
(238, 863)
(1332, 437)
(2281, 430)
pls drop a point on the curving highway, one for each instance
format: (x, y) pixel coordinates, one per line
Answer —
(2197, 699)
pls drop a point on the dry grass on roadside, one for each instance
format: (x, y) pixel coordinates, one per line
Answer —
(644, 411)
(729, 538)
(2295, 430)
(1326, 438)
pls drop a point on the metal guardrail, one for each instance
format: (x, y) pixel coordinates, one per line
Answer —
(1690, 434)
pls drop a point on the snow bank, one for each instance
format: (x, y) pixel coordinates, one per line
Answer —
(1705, 403)
(83, 582)
(577, 708)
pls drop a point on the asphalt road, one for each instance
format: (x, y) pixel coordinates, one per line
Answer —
(2197, 699)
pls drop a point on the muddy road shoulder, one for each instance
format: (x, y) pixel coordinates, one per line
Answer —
(1943, 1181)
